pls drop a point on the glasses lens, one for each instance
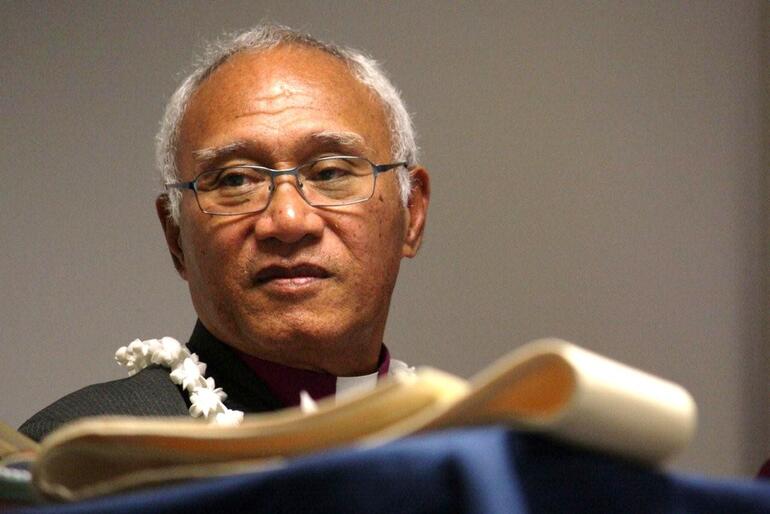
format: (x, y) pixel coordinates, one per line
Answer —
(323, 182)
(233, 190)
(337, 180)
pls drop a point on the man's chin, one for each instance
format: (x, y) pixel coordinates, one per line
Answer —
(303, 337)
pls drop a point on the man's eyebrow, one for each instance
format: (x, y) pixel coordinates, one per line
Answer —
(211, 154)
(343, 140)
(336, 141)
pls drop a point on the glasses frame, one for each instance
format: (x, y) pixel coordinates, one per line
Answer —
(376, 170)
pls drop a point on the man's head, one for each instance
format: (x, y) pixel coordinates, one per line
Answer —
(300, 285)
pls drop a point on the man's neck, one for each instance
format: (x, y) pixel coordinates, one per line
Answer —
(286, 382)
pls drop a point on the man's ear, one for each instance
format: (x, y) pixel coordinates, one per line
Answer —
(171, 232)
(417, 211)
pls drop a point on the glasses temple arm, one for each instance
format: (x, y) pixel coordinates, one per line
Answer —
(181, 185)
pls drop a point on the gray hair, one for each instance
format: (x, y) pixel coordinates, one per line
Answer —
(264, 37)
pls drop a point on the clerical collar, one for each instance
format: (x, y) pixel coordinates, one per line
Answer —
(286, 383)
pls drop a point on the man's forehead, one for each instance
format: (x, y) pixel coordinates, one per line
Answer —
(286, 70)
(282, 89)
(279, 95)
(280, 78)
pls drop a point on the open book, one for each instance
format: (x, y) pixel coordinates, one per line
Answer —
(548, 386)
(17, 452)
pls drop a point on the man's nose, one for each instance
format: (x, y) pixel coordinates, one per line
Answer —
(288, 217)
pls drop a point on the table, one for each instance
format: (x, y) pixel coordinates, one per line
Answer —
(482, 470)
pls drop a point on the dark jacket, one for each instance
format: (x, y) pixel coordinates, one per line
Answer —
(151, 392)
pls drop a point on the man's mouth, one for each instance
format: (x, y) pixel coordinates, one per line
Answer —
(297, 274)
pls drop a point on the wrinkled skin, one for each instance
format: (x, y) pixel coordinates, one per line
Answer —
(302, 286)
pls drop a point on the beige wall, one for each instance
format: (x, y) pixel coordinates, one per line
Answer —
(599, 174)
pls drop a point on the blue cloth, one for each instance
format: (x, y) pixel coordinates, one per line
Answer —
(480, 470)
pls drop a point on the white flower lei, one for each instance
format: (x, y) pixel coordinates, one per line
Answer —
(186, 370)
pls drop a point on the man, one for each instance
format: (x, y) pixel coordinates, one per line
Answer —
(292, 194)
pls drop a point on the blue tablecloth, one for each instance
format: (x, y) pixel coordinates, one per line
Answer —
(480, 471)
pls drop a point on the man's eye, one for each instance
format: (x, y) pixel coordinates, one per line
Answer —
(233, 179)
(328, 173)
(331, 174)
(240, 178)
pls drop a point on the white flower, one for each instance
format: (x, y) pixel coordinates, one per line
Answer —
(185, 370)
(122, 355)
(229, 417)
(135, 356)
(150, 346)
(201, 365)
(189, 373)
(206, 401)
(400, 369)
(137, 346)
(167, 352)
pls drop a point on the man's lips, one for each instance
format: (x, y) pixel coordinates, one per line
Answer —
(299, 273)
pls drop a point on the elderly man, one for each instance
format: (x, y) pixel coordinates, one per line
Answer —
(291, 195)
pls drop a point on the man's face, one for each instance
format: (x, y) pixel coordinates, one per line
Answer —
(304, 286)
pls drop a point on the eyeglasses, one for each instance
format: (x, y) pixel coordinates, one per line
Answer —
(325, 182)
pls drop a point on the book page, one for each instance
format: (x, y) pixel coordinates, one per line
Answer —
(549, 386)
(571, 393)
(12, 441)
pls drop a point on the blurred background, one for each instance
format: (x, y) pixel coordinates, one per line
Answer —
(599, 174)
